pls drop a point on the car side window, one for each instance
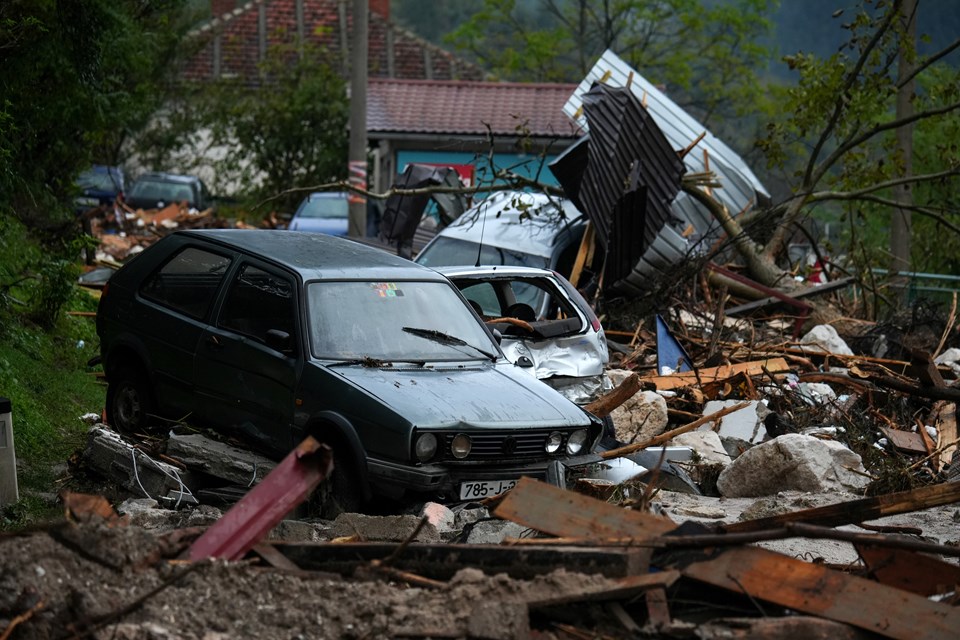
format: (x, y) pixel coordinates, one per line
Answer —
(257, 302)
(188, 282)
(485, 296)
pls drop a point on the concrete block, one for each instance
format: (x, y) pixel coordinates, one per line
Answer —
(382, 528)
(442, 518)
(220, 460)
(494, 531)
(112, 457)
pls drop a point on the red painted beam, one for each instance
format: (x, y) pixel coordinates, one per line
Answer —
(264, 506)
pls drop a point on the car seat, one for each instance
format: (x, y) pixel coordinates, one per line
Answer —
(476, 307)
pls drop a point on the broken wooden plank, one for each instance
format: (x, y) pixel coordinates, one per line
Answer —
(945, 419)
(549, 509)
(924, 369)
(914, 572)
(658, 609)
(713, 374)
(906, 441)
(603, 406)
(818, 590)
(860, 510)
(441, 561)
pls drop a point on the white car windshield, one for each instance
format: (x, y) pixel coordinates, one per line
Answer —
(410, 321)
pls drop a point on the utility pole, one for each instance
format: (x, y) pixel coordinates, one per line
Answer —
(358, 120)
(900, 226)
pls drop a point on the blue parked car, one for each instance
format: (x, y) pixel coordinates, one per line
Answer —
(100, 185)
(322, 212)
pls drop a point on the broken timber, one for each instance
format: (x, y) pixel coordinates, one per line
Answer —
(818, 590)
(714, 374)
(854, 511)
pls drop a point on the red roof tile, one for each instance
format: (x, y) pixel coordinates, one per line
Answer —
(425, 106)
(240, 47)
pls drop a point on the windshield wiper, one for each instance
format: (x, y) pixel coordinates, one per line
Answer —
(446, 338)
(375, 363)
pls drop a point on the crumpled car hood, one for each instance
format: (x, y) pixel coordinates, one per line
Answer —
(574, 356)
(499, 396)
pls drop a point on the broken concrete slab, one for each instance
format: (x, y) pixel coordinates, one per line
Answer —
(294, 531)
(745, 424)
(382, 528)
(111, 456)
(824, 337)
(218, 459)
(793, 461)
(494, 531)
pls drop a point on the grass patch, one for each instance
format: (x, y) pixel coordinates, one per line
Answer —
(43, 370)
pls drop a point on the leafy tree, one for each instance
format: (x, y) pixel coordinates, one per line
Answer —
(288, 129)
(841, 119)
(708, 54)
(75, 77)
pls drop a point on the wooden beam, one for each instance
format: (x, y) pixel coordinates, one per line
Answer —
(853, 511)
(603, 406)
(817, 590)
(552, 510)
(713, 374)
(914, 572)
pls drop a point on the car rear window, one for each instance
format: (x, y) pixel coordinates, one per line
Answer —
(188, 282)
(444, 252)
(324, 208)
(162, 191)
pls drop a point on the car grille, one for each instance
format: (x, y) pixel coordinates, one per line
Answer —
(500, 445)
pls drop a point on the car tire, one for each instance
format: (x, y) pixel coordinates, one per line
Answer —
(130, 401)
(339, 493)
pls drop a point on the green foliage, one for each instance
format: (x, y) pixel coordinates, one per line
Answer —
(75, 77)
(43, 369)
(709, 55)
(288, 131)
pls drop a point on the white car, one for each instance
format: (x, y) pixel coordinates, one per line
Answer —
(544, 325)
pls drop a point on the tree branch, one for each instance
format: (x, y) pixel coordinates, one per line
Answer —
(852, 195)
(929, 61)
(838, 106)
(924, 211)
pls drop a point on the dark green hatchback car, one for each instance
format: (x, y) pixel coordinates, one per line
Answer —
(274, 335)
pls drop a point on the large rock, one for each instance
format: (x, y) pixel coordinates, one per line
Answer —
(706, 444)
(792, 461)
(823, 337)
(641, 417)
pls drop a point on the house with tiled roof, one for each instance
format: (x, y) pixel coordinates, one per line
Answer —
(424, 104)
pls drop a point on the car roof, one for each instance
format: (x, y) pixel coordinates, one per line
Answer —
(317, 256)
(168, 177)
(533, 228)
(504, 271)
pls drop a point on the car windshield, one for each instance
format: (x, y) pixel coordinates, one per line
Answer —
(324, 208)
(454, 251)
(161, 191)
(393, 321)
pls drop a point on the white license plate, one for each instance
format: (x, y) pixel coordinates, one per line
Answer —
(87, 202)
(478, 489)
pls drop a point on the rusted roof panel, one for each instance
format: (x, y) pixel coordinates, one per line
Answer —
(439, 106)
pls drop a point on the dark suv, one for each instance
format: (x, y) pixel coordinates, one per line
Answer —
(274, 335)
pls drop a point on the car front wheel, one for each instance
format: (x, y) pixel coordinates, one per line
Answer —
(129, 401)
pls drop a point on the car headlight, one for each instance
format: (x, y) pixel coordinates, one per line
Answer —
(461, 445)
(426, 446)
(554, 440)
(576, 441)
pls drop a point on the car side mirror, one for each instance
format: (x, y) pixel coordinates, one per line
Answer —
(279, 341)
(524, 361)
(497, 335)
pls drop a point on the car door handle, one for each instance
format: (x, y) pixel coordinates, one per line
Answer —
(214, 341)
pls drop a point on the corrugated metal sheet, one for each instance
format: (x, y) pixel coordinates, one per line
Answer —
(626, 180)
(741, 188)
